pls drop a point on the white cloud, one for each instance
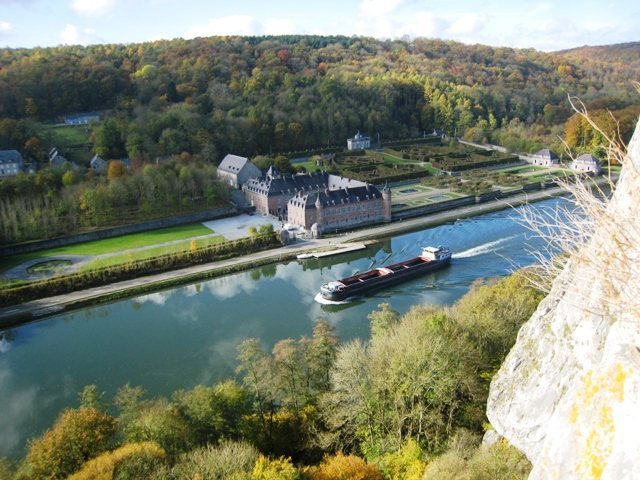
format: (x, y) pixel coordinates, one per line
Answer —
(467, 23)
(92, 7)
(229, 25)
(70, 35)
(419, 24)
(241, 25)
(378, 8)
(5, 27)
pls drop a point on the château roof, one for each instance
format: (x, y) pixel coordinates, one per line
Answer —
(329, 198)
(275, 184)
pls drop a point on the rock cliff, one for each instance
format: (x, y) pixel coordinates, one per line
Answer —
(568, 393)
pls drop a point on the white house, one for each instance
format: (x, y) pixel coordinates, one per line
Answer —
(98, 165)
(359, 142)
(586, 163)
(545, 158)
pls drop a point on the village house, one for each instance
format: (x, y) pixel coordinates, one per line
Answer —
(338, 209)
(11, 163)
(544, 158)
(98, 165)
(55, 158)
(359, 142)
(82, 118)
(587, 163)
(236, 171)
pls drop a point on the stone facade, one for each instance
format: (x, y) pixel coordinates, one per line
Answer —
(358, 142)
(236, 171)
(341, 208)
(587, 163)
(270, 194)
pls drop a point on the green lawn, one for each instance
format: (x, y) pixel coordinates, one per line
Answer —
(66, 135)
(108, 245)
(153, 252)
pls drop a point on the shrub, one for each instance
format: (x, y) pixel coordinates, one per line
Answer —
(405, 463)
(277, 469)
(497, 462)
(144, 456)
(343, 467)
(76, 436)
(225, 461)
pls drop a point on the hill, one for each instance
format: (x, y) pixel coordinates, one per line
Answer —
(250, 95)
(620, 52)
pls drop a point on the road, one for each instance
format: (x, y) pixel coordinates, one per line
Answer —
(51, 305)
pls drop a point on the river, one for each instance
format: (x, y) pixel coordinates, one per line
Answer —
(180, 337)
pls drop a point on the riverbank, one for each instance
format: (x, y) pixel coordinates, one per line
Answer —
(41, 308)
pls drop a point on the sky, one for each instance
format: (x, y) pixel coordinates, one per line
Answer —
(544, 25)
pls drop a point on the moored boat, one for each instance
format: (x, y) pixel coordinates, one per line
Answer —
(431, 258)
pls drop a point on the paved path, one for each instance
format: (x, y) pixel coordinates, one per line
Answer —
(51, 305)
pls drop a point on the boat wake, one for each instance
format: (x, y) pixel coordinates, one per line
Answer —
(482, 249)
(323, 301)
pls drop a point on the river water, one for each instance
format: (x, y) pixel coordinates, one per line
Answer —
(188, 335)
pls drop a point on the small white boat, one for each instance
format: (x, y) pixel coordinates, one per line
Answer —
(304, 256)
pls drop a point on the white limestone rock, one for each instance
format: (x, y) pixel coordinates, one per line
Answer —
(568, 393)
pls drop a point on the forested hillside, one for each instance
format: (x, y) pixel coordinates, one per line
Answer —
(251, 95)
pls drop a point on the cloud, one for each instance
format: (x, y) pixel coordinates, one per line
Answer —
(467, 23)
(70, 35)
(241, 25)
(92, 7)
(419, 24)
(5, 27)
(378, 8)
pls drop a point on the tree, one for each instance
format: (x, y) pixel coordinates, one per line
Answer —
(90, 397)
(384, 319)
(146, 456)
(321, 356)
(76, 436)
(161, 423)
(108, 139)
(116, 169)
(277, 469)
(344, 467)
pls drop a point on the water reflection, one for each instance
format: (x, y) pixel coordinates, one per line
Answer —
(180, 337)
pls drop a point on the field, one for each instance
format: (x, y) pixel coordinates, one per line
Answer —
(153, 252)
(115, 244)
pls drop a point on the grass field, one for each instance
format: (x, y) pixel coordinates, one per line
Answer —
(108, 245)
(153, 252)
(65, 135)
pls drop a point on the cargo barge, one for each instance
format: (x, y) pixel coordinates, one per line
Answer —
(431, 258)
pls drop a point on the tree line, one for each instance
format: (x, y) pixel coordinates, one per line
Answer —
(262, 95)
(62, 201)
(406, 404)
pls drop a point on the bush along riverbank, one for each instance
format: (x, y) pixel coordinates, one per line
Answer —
(92, 278)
